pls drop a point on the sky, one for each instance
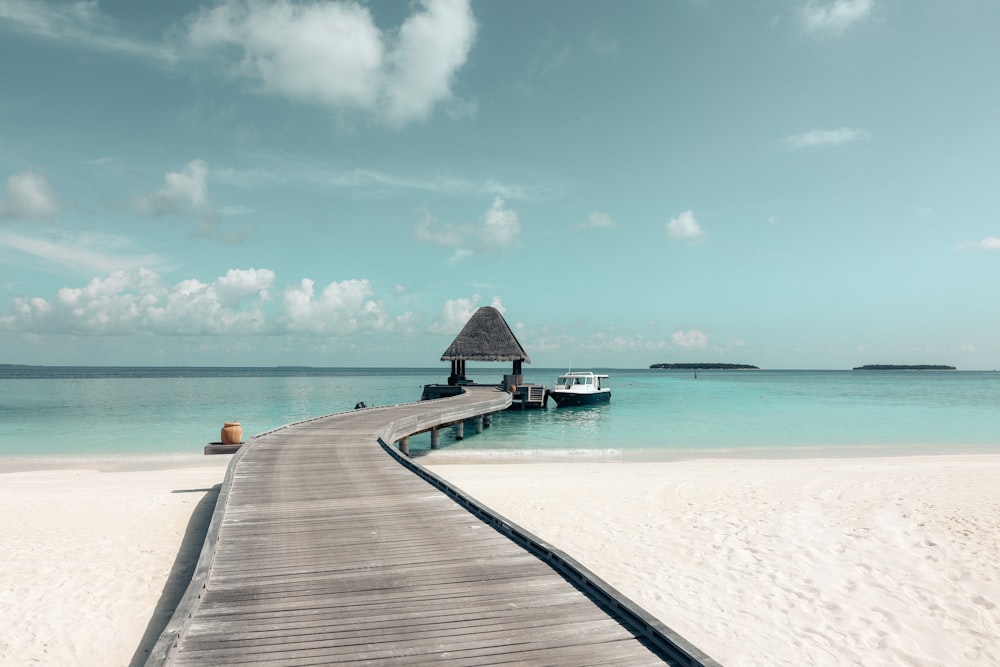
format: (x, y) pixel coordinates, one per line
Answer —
(800, 184)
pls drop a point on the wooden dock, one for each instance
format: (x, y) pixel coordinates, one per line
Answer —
(324, 549)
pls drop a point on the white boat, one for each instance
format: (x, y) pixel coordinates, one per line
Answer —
(581, 388)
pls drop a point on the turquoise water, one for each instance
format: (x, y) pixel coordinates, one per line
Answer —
(657, 414)
(798, 412)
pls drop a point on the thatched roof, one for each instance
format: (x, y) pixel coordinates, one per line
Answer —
(486, 337)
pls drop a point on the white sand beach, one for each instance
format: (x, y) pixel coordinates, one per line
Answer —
(87, 547)
(879, 561)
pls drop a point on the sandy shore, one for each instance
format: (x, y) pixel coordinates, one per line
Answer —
(883, 561)
(87, 548)
(867, 561)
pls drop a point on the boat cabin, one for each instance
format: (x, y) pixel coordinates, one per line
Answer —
(582, 380)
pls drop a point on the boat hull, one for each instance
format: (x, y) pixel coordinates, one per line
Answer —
(571, 398)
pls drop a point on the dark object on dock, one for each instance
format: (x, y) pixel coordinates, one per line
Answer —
(706, 367)
(893, 367)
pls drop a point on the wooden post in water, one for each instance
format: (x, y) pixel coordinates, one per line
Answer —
(404, 445)
(460, 430)
(479, 424)
(487, 420)
(435, 438)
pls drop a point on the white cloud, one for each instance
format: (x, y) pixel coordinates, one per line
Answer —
(184, 193)
(690, 339)
(442, 235)
(105, 305)
(989, 243)
(684, 226)
(192, 307)
(499, 230)
(28, 197)
(814, 138)
(78, 23)
(599, 219)
(315, 175)
(239, 302)
(835, 17)
(327, 53)
(455, 313)
(238, 284)
(431, 47)
(460, 255)
(132, 302)
(89, 253)
(440, 184)
(341, 308)
(502, 227)
(330, 53)
(334, 55)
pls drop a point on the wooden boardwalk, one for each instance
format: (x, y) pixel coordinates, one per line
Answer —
(324, 549)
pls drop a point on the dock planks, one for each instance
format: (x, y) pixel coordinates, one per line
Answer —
(325, 550)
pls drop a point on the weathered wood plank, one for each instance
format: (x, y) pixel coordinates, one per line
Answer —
(324, 550)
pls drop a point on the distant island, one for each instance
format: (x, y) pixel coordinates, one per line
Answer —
(706, 367)
(894, 367)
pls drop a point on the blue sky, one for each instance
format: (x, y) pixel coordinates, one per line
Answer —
(787, 183)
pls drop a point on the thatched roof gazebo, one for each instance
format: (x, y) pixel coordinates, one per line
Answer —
(485, 337)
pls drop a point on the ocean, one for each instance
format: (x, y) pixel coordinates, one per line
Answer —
(653, 414)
